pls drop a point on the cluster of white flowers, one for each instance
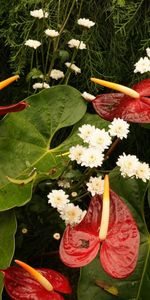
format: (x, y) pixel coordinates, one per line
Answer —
(95, 185)
(51, 32)
(98, 141)
(32, 43)
(85, 22)
(39, 13)
(73, 43)
(40, 85)
(143, 65)
(56, 74)
(70, 213)
(64, 183)
(73, 67)
(131, 166)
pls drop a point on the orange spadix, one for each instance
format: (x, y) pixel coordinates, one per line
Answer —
(105, 210)
(118, 87)
(8, 81)
(36, 275)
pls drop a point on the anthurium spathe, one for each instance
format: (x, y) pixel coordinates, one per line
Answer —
(118, 239)
(132, 105)
(14, 107)
(34, 284)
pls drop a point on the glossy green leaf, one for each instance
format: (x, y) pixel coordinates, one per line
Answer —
(7, 244)
(26, 139)
(137, 285)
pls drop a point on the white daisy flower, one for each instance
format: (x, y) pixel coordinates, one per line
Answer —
(56, 236)
(32, 43)
(40, 85)
(56, 74)
(73, 43)
(148, 52)
(73, 67)
(86, 131)
(85, 22)
(39, 13)
(128, 164)
(143, 65)
(119, 128)
(64, 183)
(92, 157)
(71, 214)
(51, 32)
(100, 139)
(75, 153)
(95, 185)
(58, 199)
(143, 171)
(87, 96)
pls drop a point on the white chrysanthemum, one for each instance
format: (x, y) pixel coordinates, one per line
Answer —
(86, 131)
(40, 85)
(71, 214)
(64, 183)
(92, 157)
(56, 236)
(85, 22)
(95, 185)
(143, 171)
(87, 96)
(128, 164)
(75, 153)
(119, 128)
(51, 32)
(100, 139)
(73, 43)
(56, 74)
(148, 51)
(143, 65)
(58, 199)
(39, 13)
(32, 43)
(73, 67)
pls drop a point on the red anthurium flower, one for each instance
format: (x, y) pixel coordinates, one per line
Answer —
(118, 246)
(132, 105)
(14, 107)
(35, 284)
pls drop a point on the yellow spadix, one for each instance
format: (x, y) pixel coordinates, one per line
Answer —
(8, 81)
(105, 210)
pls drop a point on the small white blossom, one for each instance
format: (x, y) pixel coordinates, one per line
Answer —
(128, 164)
(39, 13)
(86, 131)
(64, 183)
(71, 214)
(40, 85)
(52, 33)
(73, 67)
(92, 157)
(74, 194)
(56, 236)
(56, 74)
(95, 185)
(85, 22)
(33, 43)
(148, 52)
(100, 139)
(87, 96)
(143, 171)
(58, 199)
(143, 65)
(75, 153)
(119, 128)
(73, 43)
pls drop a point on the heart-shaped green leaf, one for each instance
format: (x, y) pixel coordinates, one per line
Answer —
(94, 283)
(7, 233)
(26, 141)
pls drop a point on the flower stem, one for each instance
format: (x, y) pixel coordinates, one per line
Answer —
(111, 149)
(105, 210)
